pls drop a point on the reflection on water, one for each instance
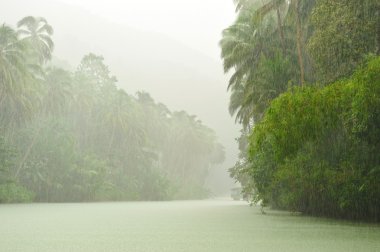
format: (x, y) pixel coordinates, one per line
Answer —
(215, 225)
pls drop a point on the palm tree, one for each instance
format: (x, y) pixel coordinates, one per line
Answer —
(242, 46)
(188, 149)
(263, 9)
(116, 116)
(92, 85)
(57, 90)
(54, 100)
(155, 118)
(17, 78)
(299, 41)
(250, 48)
(241, 106)
(19, 82)
(275, 5)
(245, 46)
(250, 98)
(12, 67)
(37, 32)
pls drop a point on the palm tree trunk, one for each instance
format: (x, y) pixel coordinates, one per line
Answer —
(299, 44)
(378, 36)
(28, 150)
(2, 100)
(281, 31)
(111, 139)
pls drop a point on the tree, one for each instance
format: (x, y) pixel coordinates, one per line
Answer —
(93, 67)
(93, 86)
(54, 97)
(243, 45)
(189, 151)
(115, 116)
(345, 32)
(18, 79)
(37, 32)
(58, 90)
(316, 149)
(279, 6)
(262, 71)
(299, 11)
(82, 138)
(10, 190)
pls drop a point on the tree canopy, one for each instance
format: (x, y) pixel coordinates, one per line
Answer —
(76, 136)
(310, 137)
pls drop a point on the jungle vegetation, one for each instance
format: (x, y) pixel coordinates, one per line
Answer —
(68, 136)
(305, 86)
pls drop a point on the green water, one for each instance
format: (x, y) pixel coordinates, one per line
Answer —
(218, 225)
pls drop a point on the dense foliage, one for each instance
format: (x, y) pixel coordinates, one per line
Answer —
(310, 136)
(75, 136)
(344, 32)
(317, 150)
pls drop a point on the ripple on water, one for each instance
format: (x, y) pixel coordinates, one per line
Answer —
(213, 225)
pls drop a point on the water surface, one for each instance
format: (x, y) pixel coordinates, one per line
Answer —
(217, 225)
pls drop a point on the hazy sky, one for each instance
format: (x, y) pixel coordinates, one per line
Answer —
(196, 23)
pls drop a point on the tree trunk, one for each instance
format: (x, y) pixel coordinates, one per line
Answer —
(2, 100)
(281, 31)
(111, 139)
(378, 33)
(299, 44)
(28, 150)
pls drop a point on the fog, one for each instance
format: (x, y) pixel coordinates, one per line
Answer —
(166, 48)
(189, 125)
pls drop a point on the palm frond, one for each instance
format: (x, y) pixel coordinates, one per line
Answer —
(26, 21)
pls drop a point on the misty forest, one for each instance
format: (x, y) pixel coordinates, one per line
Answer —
(75, 136)
(303, 82)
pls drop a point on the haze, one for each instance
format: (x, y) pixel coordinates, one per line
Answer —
(193, 125)
(167, 48)
(197, 23)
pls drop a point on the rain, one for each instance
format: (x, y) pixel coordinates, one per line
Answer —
(214, 125)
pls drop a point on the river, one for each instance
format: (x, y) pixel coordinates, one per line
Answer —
(212, 225)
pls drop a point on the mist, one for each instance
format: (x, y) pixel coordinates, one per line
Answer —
(189, 125)
(185, 70)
